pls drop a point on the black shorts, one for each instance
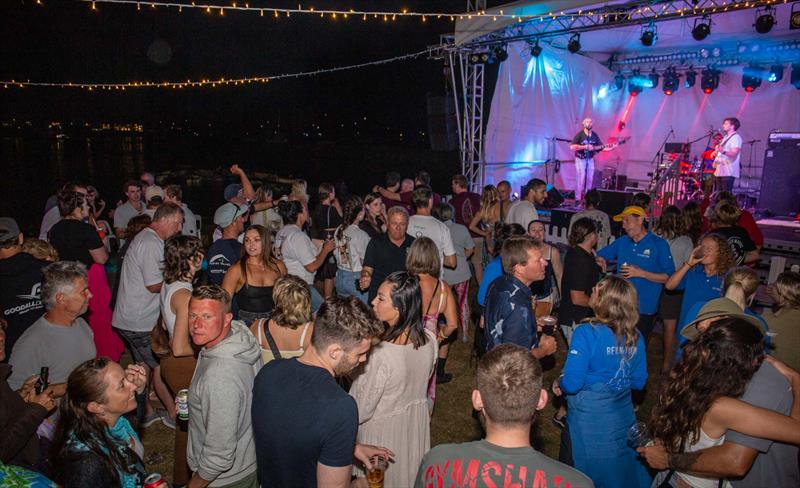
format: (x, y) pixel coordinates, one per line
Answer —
(669, 306)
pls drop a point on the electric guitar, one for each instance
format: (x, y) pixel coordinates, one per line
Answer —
(602, 147)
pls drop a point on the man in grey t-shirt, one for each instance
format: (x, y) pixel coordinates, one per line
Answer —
(60, 340)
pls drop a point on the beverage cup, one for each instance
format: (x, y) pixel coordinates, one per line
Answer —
(639, 435)
(375, 475)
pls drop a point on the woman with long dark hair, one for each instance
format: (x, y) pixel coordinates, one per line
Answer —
(351, 247)
(374, 222)
(294, 247)
(75, 240)
(698, 403)
(693, 221)
(250, 280)
(391, 389)
(94, 443)
(606, 361)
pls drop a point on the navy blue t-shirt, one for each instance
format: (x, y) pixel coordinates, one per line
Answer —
(221, 255)
(301, 417)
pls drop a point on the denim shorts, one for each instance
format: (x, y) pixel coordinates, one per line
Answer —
(139, 345)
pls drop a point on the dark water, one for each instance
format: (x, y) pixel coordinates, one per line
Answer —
(35, 161)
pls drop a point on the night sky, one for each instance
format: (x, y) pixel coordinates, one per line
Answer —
(66, 41)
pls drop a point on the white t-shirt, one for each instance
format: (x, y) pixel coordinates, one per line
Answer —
(430, 227)
(351, 248)
(522, 212)
(725, 165)
(189, 222)
(296, 250)
(124, 213)
(137, 308)
(51, 218)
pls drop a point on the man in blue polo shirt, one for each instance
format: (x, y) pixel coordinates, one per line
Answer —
(643, 258)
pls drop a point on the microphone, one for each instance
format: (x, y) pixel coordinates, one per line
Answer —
(753, 141)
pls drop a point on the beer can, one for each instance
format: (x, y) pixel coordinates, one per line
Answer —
(182, 400)
(153, 480)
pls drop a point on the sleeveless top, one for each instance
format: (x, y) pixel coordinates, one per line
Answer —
(430, 320)
(266, 354)
(703, 441)
(166, 300)
(255, 298)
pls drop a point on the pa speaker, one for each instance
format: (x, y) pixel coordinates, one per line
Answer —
(780, 180)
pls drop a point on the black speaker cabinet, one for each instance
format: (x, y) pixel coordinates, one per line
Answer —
(614, 202)
(780, 181)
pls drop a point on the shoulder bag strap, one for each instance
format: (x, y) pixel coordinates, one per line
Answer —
(271, 341)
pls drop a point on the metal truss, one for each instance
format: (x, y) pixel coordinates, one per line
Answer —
(632, 13)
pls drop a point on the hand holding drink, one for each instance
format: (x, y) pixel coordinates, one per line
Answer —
(375, 475)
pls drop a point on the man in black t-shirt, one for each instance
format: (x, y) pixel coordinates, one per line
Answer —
(725, 220)
(585, 145)
(386, 253)
(304, 423)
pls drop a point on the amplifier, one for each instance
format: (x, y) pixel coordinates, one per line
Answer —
(784, 138)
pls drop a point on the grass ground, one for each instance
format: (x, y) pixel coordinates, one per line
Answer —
(452, 418)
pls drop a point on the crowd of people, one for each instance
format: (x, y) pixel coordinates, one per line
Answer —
(302, 343)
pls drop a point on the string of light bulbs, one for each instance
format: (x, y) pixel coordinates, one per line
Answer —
(213, 83)
(334, 14)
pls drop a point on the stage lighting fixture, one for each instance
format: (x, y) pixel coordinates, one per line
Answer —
(709, 80)
(751, 78)
(653, 79)
(574, 44)
(764, 20)
(795, 79)
(479, 58)
(649, 35)
(619, 81)
(691, 77)
(775, 73)
(500, 53)
(671, 81)
(536, 49)
(702, 28)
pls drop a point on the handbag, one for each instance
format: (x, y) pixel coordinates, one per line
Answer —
(159, 339)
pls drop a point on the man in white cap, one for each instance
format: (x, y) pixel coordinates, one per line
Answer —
(227, 249)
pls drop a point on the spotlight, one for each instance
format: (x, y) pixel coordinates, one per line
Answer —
(649, 35)
(671, 81)
(479, 58)
(653, 79)
(536, 49)
(795, 79)
(775, 73)
(691, 77)
(702, 28)
(619, 81)
(574, 44)
(709, 80)
(638, 82)
(764, 20)
(500, 53)
(751, 78)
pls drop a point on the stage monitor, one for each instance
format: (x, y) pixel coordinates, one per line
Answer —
(780, 181)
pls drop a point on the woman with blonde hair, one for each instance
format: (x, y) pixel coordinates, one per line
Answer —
(437, 299)
(741, 285)
(251, 278)
(607, 359)
(287, 333)
(489, 216)
(784, 319)
(40, 249)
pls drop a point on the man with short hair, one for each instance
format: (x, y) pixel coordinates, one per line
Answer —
(174, 194)
(220, 451)
(586, 144)
(523, 211)
(20, 283)
(61, 339)
(386, 253)
(504, 189)
(406, 192)
(304, 423)
(508, 395)
(131, 208)
(746, 461)
(138, 305)
(645, 259)
(508, 311)
(424, 224)
(726, 162)
(466, 204)
(227, 249)
(591, 210)
(390, 194)
(241, 193)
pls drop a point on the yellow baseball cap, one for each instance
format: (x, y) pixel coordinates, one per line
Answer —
(630, 210)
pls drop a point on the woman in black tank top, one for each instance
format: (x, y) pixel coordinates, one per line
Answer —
(251, 278)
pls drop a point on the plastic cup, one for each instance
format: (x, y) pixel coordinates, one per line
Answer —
(639, 435)
(375, 475)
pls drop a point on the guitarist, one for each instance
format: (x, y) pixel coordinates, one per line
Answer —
(726, 159)
(585, 144)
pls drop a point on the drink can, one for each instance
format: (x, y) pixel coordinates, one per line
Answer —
(182, 402)
(153, 480)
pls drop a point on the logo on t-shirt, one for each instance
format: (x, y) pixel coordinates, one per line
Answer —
(31, 302)
(218, 261)
(36, 293)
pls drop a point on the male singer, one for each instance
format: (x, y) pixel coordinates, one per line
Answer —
(726, 162)
(585, 144)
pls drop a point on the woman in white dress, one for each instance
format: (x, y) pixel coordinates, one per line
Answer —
(391, 388)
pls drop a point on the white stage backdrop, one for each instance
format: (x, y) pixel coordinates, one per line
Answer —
(537, 99)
